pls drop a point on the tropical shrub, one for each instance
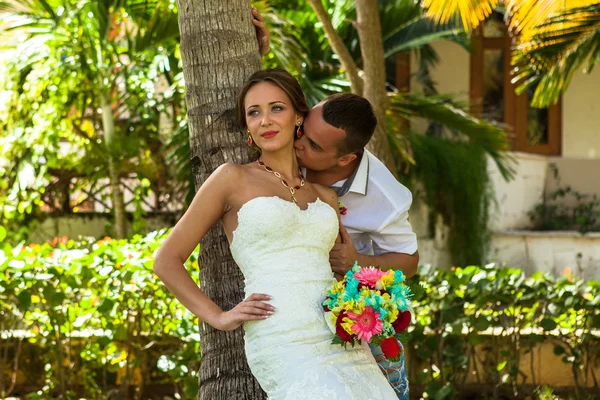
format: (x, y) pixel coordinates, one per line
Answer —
(98, 313)
(89, 318)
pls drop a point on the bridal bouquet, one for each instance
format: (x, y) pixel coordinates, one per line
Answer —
(371, 305)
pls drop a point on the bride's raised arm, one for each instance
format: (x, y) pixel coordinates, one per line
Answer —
(210, 203)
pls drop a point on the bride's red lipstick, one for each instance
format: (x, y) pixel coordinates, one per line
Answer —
(269, 134)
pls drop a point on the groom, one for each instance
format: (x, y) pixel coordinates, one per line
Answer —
(374, 214)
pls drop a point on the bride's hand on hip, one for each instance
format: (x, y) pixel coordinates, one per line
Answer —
(251, 309)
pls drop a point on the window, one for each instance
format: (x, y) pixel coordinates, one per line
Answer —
(493, 96)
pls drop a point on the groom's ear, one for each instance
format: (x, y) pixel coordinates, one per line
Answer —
(346, 159)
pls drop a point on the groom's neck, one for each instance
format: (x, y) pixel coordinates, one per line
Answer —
(332, 175)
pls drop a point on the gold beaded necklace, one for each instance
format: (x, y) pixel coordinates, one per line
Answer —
(292, 189)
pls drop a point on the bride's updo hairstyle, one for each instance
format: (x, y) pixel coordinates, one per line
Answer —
(281, 79)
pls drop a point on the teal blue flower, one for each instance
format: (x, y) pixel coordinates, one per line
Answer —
(351, 289)
(398, 277)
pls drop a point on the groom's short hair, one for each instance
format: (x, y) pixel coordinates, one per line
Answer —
(353, 114)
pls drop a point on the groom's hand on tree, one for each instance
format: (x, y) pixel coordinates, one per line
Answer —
(263, 36)
(251, 309)
(343, 254)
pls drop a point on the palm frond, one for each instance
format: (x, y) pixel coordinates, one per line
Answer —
(287, 51)
(525, 16)
(489, 136)
(427, 58)
(558, 49)
(156, 22)
(469, 12)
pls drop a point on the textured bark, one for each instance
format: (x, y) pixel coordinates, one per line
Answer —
(338, 46)
(219, 52)
(371, 47)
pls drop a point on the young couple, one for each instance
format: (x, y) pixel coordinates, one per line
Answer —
(282, 220)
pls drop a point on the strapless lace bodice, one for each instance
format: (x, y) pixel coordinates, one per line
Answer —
(283, 251)
(270, 228)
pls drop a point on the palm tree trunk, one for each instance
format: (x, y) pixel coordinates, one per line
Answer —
(338, 46)
(371, 47)
(108, 126)
(219, 52)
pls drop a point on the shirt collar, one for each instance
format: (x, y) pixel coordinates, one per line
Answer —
(360, 182)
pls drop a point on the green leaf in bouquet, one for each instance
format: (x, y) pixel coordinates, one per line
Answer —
(376, 340)
(403, 337)
(337, 340)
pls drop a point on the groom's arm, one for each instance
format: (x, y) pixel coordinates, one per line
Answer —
(394, 243)
(344, 254)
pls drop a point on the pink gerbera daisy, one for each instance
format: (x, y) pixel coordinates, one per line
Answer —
(369, 276)
(367, 324)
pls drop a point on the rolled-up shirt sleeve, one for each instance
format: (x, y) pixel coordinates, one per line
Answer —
(395, 235)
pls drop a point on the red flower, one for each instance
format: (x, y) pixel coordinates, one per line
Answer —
(343, 210)
(339, 329)
(391, 348)
(402, 322)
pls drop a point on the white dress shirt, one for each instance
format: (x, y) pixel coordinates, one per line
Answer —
(377, 210)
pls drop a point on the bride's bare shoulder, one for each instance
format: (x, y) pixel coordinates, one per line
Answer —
(231, 171)
(326, 194)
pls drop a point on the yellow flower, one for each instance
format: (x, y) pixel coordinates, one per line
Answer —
(347, 324)
(392, 314)
(337, 288)
(387, 280)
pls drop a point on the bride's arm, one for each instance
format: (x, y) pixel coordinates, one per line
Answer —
(209, 204)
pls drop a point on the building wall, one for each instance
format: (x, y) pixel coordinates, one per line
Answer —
(516, 198)
(452, 73)
(96, 225)
(582, 175)
(581, 116)
(557, 253)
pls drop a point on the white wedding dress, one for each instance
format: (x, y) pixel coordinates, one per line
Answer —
(283, 251)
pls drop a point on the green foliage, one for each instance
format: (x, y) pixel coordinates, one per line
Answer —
(501, 312)
(457, 187)
(555, 213)
(57, 133)
(102, 317)
(100, 314)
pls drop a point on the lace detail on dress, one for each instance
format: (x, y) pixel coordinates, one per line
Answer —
(283, 251)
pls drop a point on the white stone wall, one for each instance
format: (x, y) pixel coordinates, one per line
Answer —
(515, 199)
(95, 225)
(555, 252)
(581, 116)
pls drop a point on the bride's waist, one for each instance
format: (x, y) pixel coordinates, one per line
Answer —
(301, 261)
(289, 324)
(286, 289)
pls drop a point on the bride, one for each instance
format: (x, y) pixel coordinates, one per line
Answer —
(280, 229)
